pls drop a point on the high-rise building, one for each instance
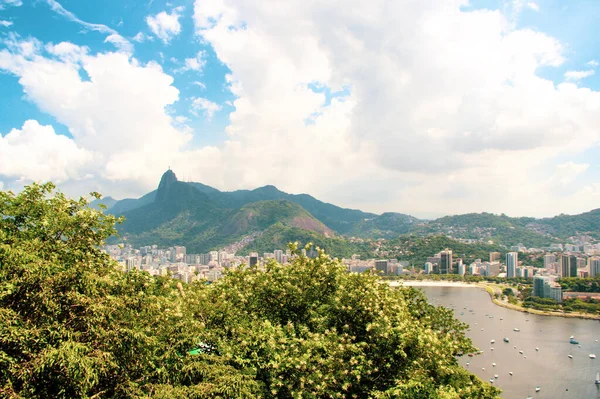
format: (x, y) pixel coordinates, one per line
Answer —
(278, 255)
(494, 257)
(382, 266)
(512, 259)
(546, 287)
(446, 262)
(568, 265)
(253, 260)
(461, 269)
(549, 260)
(428, 267)
(595, 267)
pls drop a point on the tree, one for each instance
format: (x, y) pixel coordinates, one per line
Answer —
(73, 325)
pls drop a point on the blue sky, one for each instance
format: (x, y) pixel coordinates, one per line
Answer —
(376, 106)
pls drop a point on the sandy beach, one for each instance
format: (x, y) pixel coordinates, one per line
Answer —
(425, 283)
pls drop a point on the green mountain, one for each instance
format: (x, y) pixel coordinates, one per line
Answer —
(202, 218)
(181, 214)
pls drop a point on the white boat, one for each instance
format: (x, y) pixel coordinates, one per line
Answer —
(494, 364)
(524, 357)
(570, 356)
(598, 378)
(537, 349)
(537, 389)
(510, 372)
(483, 368)
(516, 329)
(468, 363)
(495, 375)
(592, 356)
(491, 380)
(521, 352)
(491, 349)
(492, 341)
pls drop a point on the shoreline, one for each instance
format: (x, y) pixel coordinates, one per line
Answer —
(490, 290)
(431, 283)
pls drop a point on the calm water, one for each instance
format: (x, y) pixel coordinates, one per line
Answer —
(549, 368)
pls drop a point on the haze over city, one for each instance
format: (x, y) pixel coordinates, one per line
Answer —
(421, 107)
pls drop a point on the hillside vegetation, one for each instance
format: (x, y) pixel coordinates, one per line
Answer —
(72, 325)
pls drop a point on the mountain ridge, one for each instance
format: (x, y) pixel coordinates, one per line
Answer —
(204, 217)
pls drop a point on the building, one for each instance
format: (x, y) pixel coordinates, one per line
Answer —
(495, 257)
(253, 260)
(546, 287)
(278, 255)
(461, 269)
(594, 267)
(568, 264)
(428, 267)
(446, 262)
(549, 260)
(382, 266)
(512, 259)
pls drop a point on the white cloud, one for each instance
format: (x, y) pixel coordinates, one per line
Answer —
(5, 24)
(195, 63)
(140, 37)
(59, 9)
(199, 84)
(578, 75)
(36, 152)
(10, 3)
(566, 173)
(207, 107)
(119, 113)
(164, 25)
(593, 63)
(447, 93)
(120, 42)
(533, 6)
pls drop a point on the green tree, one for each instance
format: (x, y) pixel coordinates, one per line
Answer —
(73, 325)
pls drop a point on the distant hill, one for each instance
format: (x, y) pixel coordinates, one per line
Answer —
(204, 218)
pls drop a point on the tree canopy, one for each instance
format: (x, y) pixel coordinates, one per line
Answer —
(73, 325)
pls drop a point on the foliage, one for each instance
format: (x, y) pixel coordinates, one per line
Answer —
(73, 325)
(312, 330)
(577, 284)
(278, 235)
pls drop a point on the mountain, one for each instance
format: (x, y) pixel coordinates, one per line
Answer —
(108, 202)
(203, 218)
(182, 214)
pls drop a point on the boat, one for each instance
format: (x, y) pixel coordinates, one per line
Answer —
(510, 372)
(521, 352)
(516, 329)
(570, 356)
(537, 349)
(573, 341)
(483, 368)
(495, 375)
(501, 318)
(494, 364)
(492, 348)
(491, 380)
(597, 378)
(470, 355)
(537, 389)
(515, 346)
(506, 339)
(492, 341)
(592, 356)
(467, 363)
(524, 357)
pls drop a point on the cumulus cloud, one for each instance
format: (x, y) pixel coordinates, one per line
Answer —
(10, 3)
(120, 42)
(5, 24)
(59, 9)
(593, 63)
(447, 92)
(119, 113)
(140, 37)
(208, 108)
(165, 25)
(578, 75)
(195, 63)
(533, 6)
(36, 152)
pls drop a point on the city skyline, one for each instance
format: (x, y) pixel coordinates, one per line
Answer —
(388, 109)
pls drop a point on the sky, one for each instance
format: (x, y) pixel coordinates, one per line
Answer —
(425, 107)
